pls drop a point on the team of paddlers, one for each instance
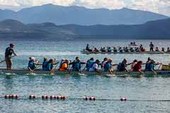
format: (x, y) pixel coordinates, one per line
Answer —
(92, 65)
(132, 47)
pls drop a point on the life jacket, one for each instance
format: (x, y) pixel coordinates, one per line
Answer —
(149, 67)
(49, 66)
(45, 66)
(103, 63)
(8, 52)
(94, 67)
(63, 66)
(107, 66)
(137, 67)
(31, 64)
(121, 67)
(89, 64)
(76, 66)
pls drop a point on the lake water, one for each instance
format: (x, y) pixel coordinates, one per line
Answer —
(144, 95)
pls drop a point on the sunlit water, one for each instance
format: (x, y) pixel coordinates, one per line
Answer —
(107, 91)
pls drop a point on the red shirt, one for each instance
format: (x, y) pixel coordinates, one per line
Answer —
(137, 67)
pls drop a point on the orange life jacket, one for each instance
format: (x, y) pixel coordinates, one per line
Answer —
(63, 67)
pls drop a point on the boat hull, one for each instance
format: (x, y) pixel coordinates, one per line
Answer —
(146, 52)
(56, 72)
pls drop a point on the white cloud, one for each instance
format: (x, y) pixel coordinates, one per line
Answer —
(158, 6)
(110, 4)
(8, 3)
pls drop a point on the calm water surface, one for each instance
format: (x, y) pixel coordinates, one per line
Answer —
(144, 94)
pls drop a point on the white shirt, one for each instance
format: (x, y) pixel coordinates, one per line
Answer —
(94, 67)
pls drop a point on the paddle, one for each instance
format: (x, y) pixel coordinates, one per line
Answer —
(52, 72)
(5, 60)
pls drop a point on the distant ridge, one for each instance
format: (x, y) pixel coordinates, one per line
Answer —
(15, 30)
(61, 15)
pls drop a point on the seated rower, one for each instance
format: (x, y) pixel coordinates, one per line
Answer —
(103, 49)
(31, 64)
(138, 67)
(114, 50)
(64, 65)
(95, 50)
(109, 49)
(126, 49)
(147, 63)
(141, 48)
(89, 63)
(122, 66)
(45, 64)
(76, 64)
(50, 65)
(163, 49)
(104, 62)
(131, 49)
(150, 65)
(133, 64)
(108, 66)
(168, 49)
(156, 49)
(120, 50)
(137, 49)
(95, 67)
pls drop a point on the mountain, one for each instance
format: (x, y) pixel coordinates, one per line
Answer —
(61, 15)
(15, 30)
(158, 29)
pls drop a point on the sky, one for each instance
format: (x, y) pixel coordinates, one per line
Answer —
(157, 6)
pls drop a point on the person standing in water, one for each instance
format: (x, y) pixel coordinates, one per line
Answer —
(8, 56)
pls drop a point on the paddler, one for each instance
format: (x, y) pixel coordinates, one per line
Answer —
(122, 66)
(8, 56)
(138, 67)
(76, 64)
(95, 67)
(50, 65)
(31, 64)
(133, 64)
(64, 65)
(108, 66)
(151, 46)
(89, 63)
(88, 48)
(45, 64)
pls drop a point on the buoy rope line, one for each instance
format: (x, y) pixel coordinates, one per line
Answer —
(59, 97)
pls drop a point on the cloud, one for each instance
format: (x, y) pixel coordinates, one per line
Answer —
(110, 4)
(157, 6)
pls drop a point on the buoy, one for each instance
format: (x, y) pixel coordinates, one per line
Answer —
(85, 98)
(32, 97)
(52, 97)
(15, 96)
(63, 97)
(59, 97)
(44, 97)
(10, 96)
(6, 96)
(123, 99)
(92, 98)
